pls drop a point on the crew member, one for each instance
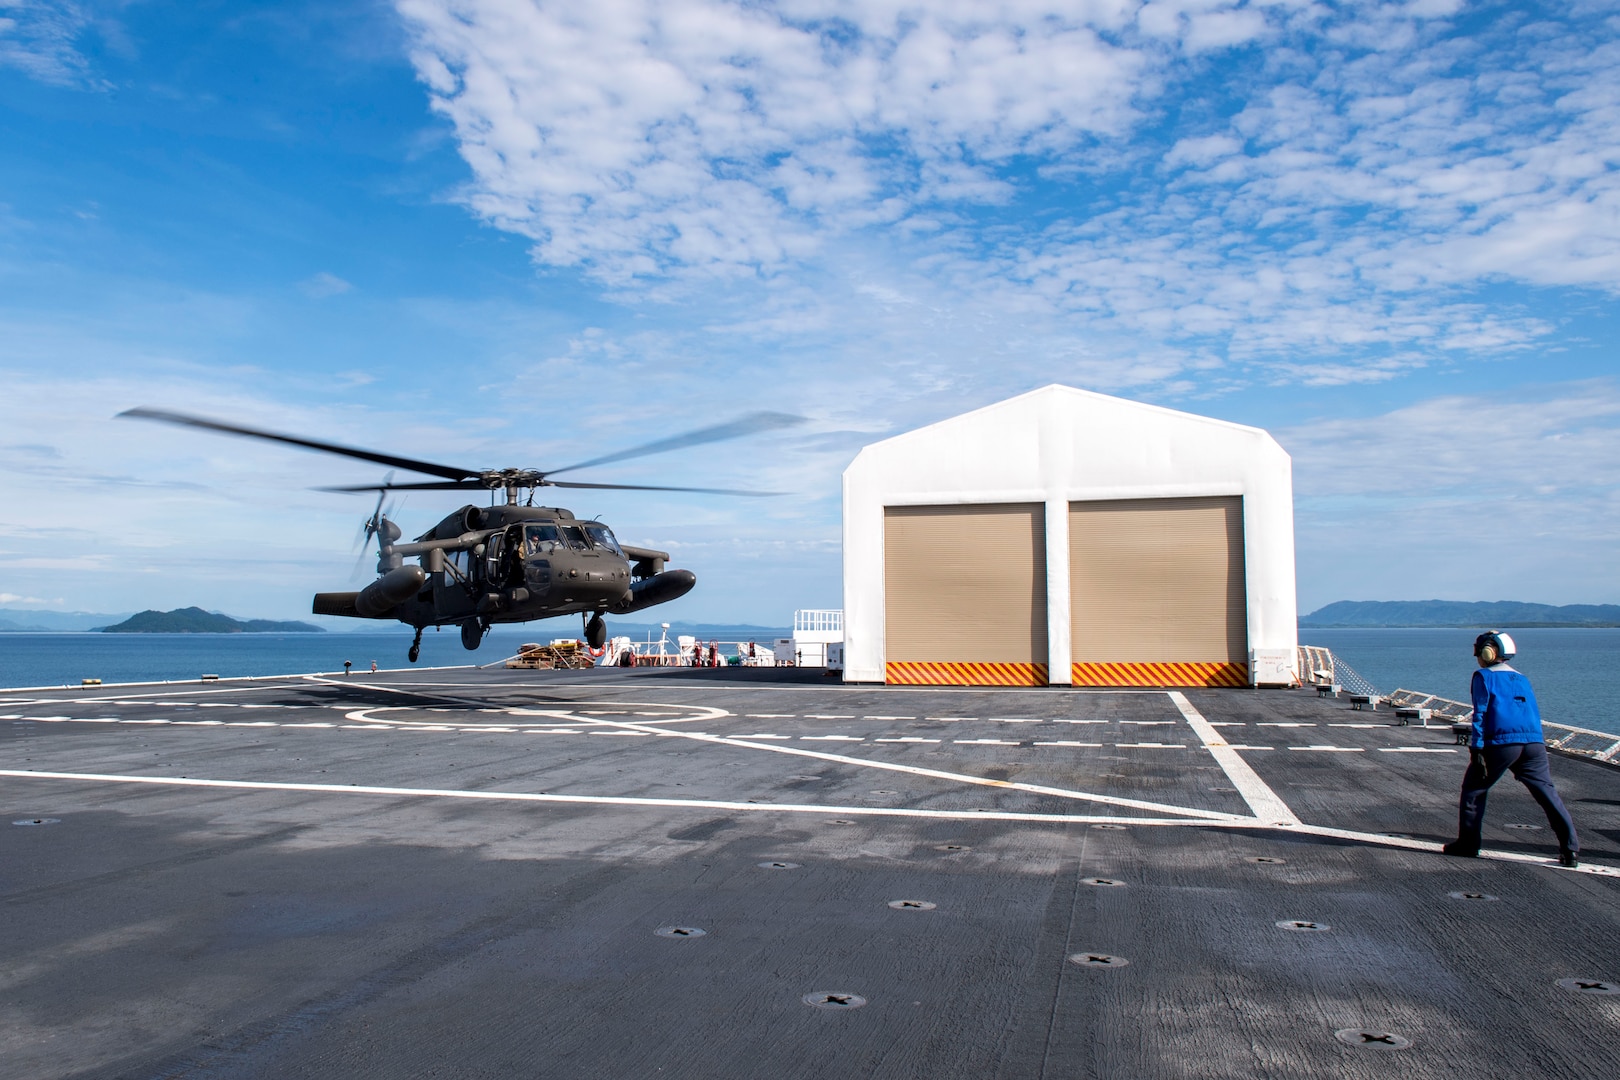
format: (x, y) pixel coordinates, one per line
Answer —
(1506, 736)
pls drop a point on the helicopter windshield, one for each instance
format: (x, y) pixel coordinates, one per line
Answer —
(539, 539)
(574, 538)
(602, 536)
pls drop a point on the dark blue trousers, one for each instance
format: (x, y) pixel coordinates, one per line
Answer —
(1528, 763)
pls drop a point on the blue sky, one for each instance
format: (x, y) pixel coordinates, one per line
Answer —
(501, 232)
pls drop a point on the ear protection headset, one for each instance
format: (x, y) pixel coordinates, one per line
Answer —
(1494, 647)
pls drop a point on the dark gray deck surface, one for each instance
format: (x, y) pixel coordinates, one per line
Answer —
(323, 930)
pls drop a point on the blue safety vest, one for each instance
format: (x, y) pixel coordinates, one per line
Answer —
(1505, 708)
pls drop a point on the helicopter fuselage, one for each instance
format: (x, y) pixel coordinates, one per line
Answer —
(508, 564)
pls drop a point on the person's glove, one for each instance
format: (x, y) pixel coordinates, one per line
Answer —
(1476, 758)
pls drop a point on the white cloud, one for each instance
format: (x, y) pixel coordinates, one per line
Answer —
(1379, 166)
(633, 137)
(324, 285)
(40, 38)
(1482, 495)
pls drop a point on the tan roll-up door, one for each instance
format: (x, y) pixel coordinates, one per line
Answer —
(1157, 592)
(964, 591)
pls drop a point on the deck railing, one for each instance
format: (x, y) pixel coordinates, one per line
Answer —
(1315, 661)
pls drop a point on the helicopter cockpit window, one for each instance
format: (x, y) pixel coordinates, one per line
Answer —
(540, 539)
(574, 538)
(602, 536)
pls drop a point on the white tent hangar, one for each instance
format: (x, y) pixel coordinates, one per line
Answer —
(1066, 537)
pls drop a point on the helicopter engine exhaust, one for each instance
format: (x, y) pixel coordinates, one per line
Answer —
(658, 589)
(389, 591)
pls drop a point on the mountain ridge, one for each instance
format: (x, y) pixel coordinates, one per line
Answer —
(1484, 614)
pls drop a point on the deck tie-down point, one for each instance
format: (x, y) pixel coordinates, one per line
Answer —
(824, 1000)
(1372, 1040)
(1589, 986)
(1098, 960)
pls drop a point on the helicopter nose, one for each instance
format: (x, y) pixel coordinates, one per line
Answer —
(599, 585)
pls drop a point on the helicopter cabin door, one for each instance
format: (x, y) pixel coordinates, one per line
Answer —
(1157, 593)
(965, 595)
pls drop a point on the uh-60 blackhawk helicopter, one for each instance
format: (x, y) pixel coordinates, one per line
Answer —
(503, 563)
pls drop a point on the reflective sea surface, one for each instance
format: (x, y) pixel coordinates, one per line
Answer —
(1574, 671)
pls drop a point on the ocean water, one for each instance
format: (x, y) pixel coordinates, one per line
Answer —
(1576, 673)
(56, 659)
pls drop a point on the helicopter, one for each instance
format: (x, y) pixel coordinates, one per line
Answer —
(509, 562)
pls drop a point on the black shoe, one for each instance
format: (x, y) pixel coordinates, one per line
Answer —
(1570, 859)
(1461, 850)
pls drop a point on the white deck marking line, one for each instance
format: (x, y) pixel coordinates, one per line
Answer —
(1261, 800)
(1324, 749)
(820, 716)
(831, 738)
(1155, 745)
(1221, 822)
(939, 774)
(614, 800)
(758, 735)
(888, 766)
(1079, 721)
(772, 716)
(1359, 725)
(949, 719)
(1269, 723)
(1246, 746)
(1065, 742)
(1014, 720)
(1228, 723)
(1417, 750)
(985, 742)
(1148, 723)
(901, 738)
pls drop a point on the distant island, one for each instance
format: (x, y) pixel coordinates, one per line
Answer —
(1497, 614)
(194, 620)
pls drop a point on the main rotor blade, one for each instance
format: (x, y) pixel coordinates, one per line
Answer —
(475, 485)
(751, 424)
(653, 487)
(428, 485)
(184, 420)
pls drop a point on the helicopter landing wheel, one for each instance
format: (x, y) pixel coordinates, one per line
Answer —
(472, 634)
(416, 646)
(596, 632)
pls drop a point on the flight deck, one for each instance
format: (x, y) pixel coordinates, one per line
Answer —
(763, 873)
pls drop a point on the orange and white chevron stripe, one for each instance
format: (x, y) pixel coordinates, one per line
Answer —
(1161, 674)
(959, 673)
